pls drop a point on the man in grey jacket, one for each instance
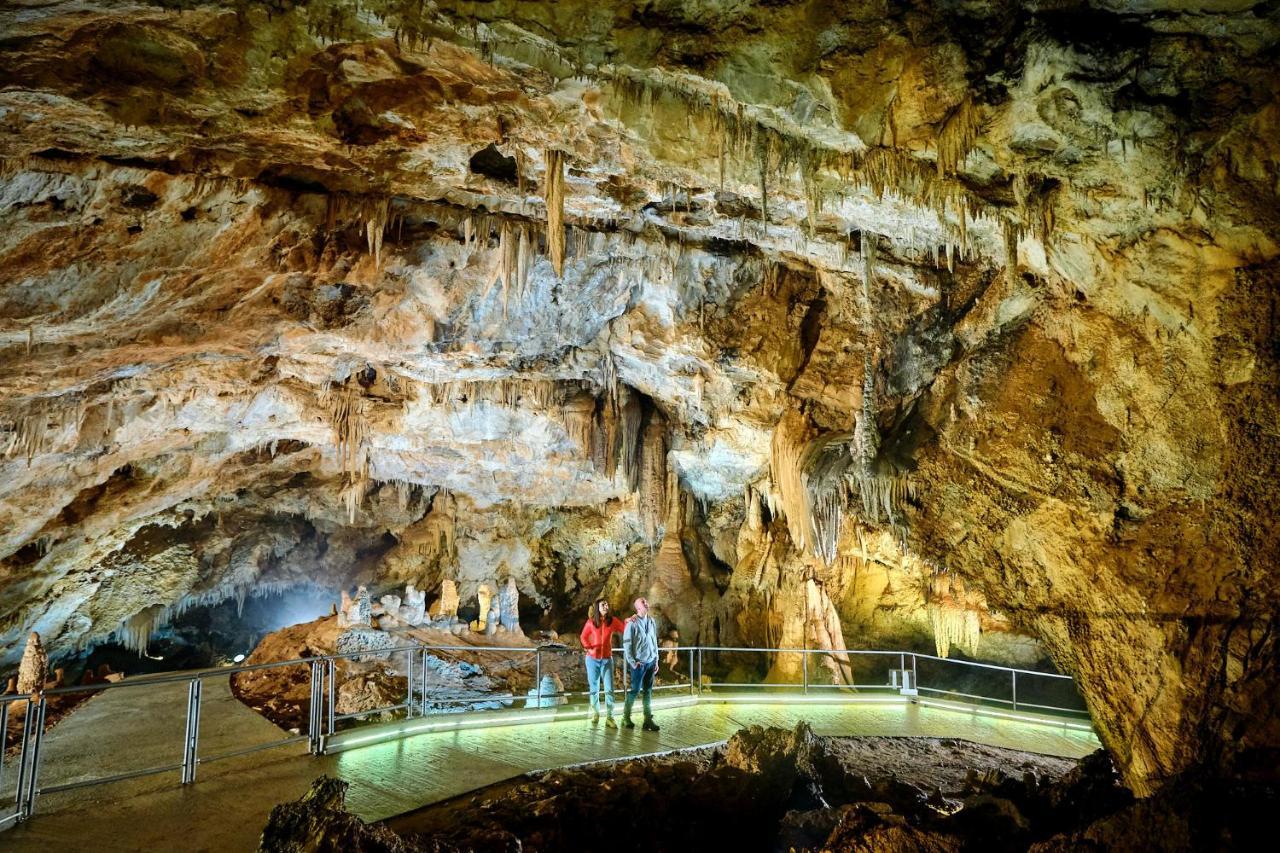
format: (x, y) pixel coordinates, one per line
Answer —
(640, 650)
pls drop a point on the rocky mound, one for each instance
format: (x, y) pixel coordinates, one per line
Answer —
(765, 789)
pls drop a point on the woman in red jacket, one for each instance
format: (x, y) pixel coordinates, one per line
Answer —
(597, 642)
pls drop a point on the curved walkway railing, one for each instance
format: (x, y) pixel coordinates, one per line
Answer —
(687, 674)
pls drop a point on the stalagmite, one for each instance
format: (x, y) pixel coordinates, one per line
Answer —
(485, 596)
(358, 610)
(33, 670)
(553, 195)
(823, 631)
(508, 599)
(672, 590)
(445, 608)
(414, 609)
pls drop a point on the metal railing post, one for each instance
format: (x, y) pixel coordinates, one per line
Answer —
(915, 679)
(804, 669)
(699, 670)
(37, 756)
(1014, 673)
(408, 684)
(29, 757)
(316, 717)
(191, 740)
(537, 677)
(332, 690)
(691, 689)
(4, 734)
(423, 670)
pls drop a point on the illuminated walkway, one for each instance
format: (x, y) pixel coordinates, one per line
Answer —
(228, 805)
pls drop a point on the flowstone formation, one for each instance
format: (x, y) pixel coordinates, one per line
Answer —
(941, 326)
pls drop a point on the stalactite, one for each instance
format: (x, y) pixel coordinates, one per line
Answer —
(135, 632)
(1009, 231)
(436, 535)
(652, 488)
(579, 416)
(866, 435)
(953, 627)
(553, 195)
(787, 447)
(348, 416)
(958, 134)
(625, 446)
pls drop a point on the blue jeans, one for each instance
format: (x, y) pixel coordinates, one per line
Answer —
(641, 679)
(598, 670)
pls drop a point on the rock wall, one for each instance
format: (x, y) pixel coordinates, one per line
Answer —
(963, 313)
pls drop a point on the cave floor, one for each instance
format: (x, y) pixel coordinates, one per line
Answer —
(228, 805)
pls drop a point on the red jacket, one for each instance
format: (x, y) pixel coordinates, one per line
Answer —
(598, 642)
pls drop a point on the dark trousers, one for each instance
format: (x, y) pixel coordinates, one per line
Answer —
(641, 680)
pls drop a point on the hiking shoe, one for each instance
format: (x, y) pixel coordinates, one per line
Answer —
(627, 724)
(595, 717)
(650, 726)
(609, 723)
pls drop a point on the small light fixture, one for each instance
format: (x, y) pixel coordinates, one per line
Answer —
(237, 659)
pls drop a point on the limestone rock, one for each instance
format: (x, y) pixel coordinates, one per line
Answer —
(320, 820)
(369, 691)
(364, 640)
(975, 290)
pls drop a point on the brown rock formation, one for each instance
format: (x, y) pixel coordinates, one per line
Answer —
(405, 292)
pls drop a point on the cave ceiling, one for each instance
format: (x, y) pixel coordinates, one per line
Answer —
(299, 291)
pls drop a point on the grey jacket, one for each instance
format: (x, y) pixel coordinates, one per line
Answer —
(640, 641)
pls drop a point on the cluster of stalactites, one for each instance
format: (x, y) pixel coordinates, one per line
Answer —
(776, 152)
(348, 416)
(71, 421)
(437, 533)
(954, 615)
(613, 433)
(43, 426)
(817, 477)
(135, 633)
(370, 213)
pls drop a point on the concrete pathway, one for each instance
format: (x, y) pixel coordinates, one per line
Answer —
(132, 728)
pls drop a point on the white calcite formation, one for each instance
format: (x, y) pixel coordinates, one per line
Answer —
(508, 599)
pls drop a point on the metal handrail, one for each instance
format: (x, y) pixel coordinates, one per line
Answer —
(323, 719)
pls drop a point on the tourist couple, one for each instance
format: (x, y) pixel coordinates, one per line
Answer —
(640, 651)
